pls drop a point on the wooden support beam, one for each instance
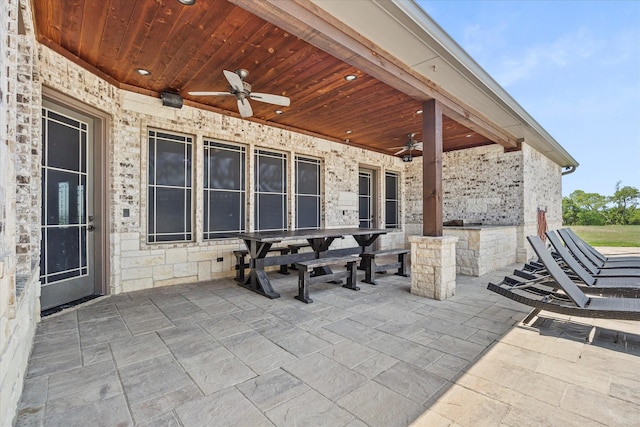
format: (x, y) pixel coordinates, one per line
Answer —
(431, 168)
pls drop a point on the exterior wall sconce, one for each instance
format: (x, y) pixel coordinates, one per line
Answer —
(171, 99)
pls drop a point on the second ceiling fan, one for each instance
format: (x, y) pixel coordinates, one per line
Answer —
(410, 145)
(242, 91)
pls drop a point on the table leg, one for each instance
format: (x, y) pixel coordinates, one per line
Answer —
(320, 246)
(257, 280)
(365, 241)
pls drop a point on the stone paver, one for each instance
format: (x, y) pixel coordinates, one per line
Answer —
(216, 354)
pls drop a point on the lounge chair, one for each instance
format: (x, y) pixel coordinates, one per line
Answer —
(598, 254)
(620, 286)
(591, 267)
(571, 301)
(600, 257)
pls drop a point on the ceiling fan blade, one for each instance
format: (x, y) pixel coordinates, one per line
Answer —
(210, 93)
(418, 146)
(234, 80)
(401, 151)
(244, 108)
(270, 98)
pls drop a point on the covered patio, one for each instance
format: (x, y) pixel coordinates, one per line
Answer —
(217, 354)
(120, 180)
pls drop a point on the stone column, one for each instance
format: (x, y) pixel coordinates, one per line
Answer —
(433, 266)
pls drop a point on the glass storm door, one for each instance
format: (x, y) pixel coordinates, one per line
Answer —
(365, 198)
(66, 258)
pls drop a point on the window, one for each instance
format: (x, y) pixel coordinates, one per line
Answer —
(391, 200)
(307, 193)
(169, 206)
(365, 198)
(224, 189)
(270, 191)
(65, 173)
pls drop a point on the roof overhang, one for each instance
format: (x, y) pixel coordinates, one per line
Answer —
(424, 49)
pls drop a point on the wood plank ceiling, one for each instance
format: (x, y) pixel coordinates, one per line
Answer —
(186, 48)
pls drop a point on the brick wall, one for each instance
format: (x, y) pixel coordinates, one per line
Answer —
(19, 212)
(542, 190)
(482, 184)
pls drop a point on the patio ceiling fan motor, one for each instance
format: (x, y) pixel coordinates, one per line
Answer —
(409, 146)
(242, 91)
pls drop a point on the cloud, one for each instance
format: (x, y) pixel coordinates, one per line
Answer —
(482, 40)
(562, 53)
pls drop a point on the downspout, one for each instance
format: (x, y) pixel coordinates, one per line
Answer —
(571, 169)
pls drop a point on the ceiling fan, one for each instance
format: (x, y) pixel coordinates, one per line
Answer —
(242, 91)
(410, 145)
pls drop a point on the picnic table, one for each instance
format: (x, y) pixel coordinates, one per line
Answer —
(258, 244)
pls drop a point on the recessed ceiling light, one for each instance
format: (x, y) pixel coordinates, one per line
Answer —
(278, 111)
(350, 77)
(349, 131)
(419, 112)
(188, 2)
(143, 72)
(468, 136)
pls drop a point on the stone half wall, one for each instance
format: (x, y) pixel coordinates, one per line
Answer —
(480, 250)
(135, 264)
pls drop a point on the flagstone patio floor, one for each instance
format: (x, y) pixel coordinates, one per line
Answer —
(215, 354)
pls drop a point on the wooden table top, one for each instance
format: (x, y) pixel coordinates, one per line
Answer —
(323, 233)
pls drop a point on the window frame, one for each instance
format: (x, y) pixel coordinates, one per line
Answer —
(284, 192)
(395, 201)
(188, 142)
(207, 233)
(317, 195)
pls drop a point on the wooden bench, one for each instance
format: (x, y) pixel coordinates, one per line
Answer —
(371, 267)
(295, 249)
(241, 263)
(305, 268)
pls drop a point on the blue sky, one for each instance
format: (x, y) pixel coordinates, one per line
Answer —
(573, 65)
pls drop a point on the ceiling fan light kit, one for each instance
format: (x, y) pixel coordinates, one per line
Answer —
(242, 91)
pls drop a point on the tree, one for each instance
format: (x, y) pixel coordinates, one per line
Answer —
(569, 211)
(582, 208)
(625, 202)
(588, 201)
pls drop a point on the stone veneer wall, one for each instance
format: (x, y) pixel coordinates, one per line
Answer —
(482, 184)
(542, 190)
(19, 205)
(136, 264)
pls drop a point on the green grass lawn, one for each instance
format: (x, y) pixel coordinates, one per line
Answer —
(609, 235)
